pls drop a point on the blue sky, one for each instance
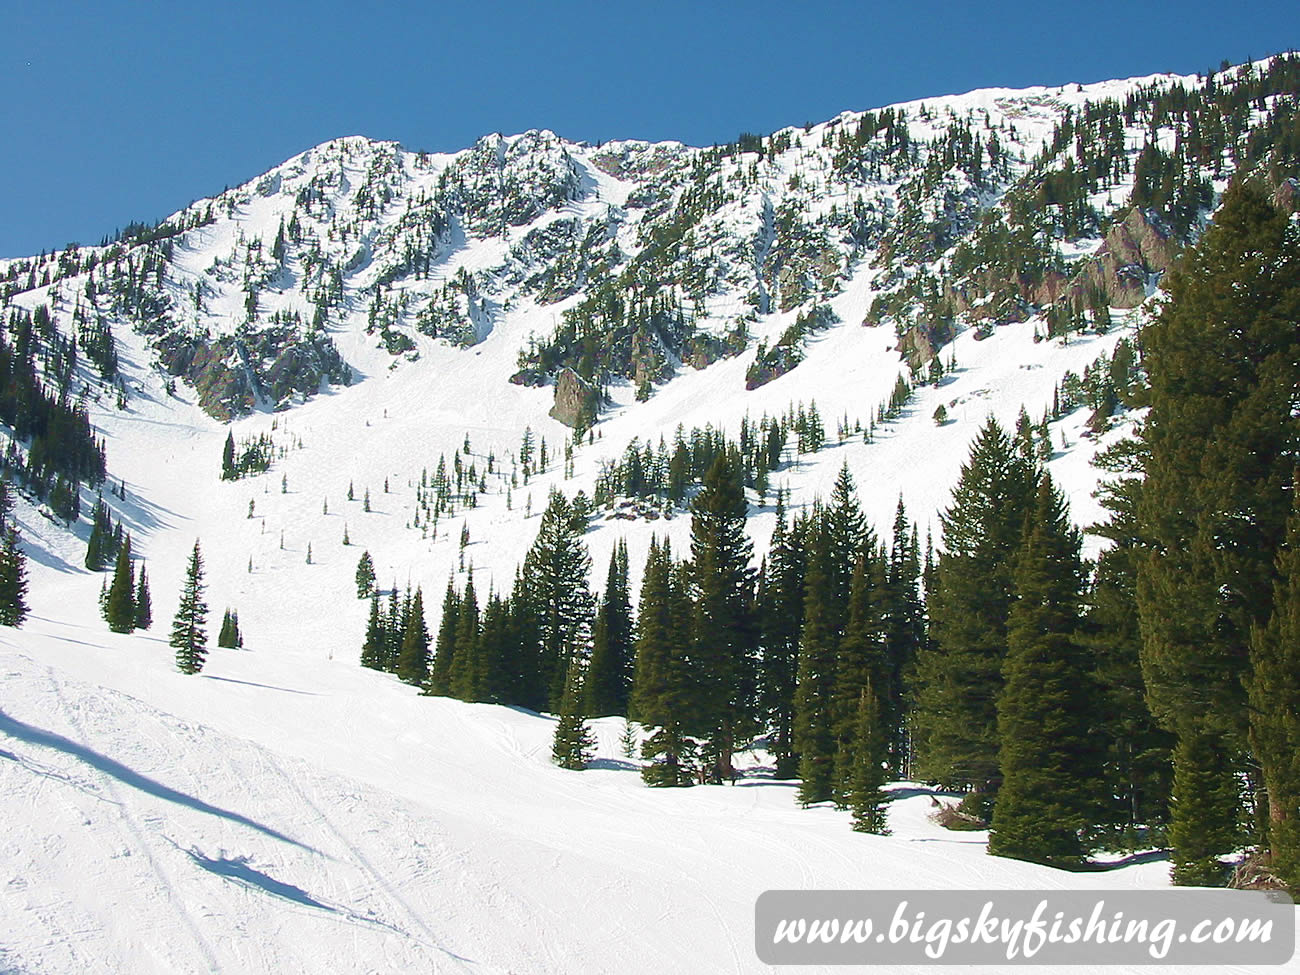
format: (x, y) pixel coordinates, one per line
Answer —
(112, 112)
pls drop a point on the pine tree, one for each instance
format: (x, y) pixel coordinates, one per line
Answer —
(439, 682)
(143, 603)
(1204, 814)
(13, 578)
(780, 603)
(188, 636)
(814, 735)
(1049, 754)
(959, 671)
(229, 635)
(413, 658)
(866, 795)
(228, 470)
(555, 574)
(120, 609)
(609, 672)
(372, 651)
(861, 663)
(723, 644)
(573, 742)
(1223, 359)
(1274, 697)
(365, 576)
(661, 697)
(465, 673)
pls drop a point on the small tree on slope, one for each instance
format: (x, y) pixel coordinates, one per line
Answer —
(188, 636)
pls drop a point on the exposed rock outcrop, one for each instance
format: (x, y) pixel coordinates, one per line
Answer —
(576, 401)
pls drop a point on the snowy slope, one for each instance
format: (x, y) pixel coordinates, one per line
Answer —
(266, 817)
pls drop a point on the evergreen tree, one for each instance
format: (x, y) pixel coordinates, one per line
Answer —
(228, 470)
(555, 574)
(188, 636)
(573, 742)
(13, 577)
(609, 672)
(228, 636)
(1274, 698)
(372, 651)
(365, 576)
(814, 735)
(781, 614)
(413, 658)
(1049, 753)
(661, 697)
(860, 663)
(464, 676)
(143, 602)
(445, 646)
(1223, 357)
(866, 795)
(722, 594)
(1204, 813)
(120, 609)
(902, 613)
(959, 671)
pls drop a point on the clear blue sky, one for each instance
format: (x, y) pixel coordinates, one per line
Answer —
(115, 111)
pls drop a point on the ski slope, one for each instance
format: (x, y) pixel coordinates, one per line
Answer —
(269, 817)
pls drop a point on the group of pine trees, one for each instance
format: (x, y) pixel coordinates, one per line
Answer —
(13, 564)
(125, 602)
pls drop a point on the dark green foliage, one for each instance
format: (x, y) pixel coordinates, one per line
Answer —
(959, 671)
(662, 695)
(413, 657)
(866, 796)
(555, 574)
(119, 611)
(1049, 755)
(13, 573)
(365, 576)
(573, 742)
(609, 672)
(1205, 811)
(188, 636)
(1223, 358)
(780, 603)
(143, 602)
(445, 646)
(465, 678)
(62, 446)
(1273, 692)
(249, 457)
(228, 458)
(374, 650)
(229, 635)
(814, 737)
(723, 643)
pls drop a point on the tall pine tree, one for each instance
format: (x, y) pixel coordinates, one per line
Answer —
(1050, 756)
(189, 636)
(959, 671)
(1223, 359)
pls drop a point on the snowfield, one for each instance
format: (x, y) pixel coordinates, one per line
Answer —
(270, 817)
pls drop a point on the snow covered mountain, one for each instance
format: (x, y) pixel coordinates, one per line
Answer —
(369, 312)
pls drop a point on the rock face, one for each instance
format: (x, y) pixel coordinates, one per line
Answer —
(1134, 253)
(232, 373)
(576, 401)
(1287, 196)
